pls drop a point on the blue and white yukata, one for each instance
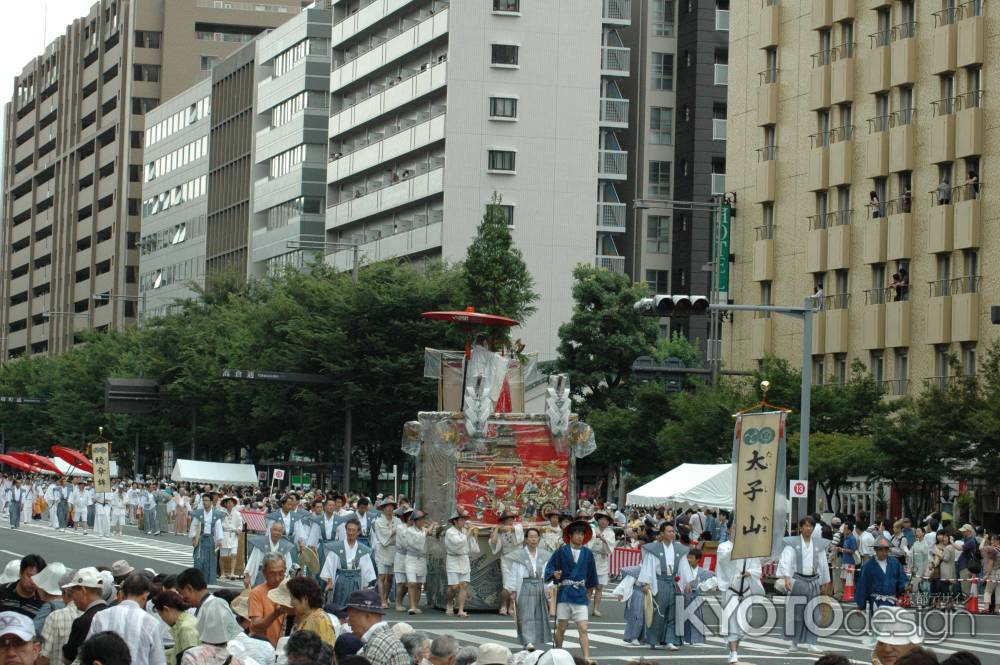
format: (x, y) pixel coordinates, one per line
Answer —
(579, 573)
(879, 584)
(208, 531)
(661, 563)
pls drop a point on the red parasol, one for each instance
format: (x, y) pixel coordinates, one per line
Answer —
(43, 463)
(10, 460)
(470, 319)
(73, 457)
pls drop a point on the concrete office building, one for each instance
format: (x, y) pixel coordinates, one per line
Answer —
(174, 202)
(435, 106)
(863, 178)
(73, 157)
(679, 89)
(290, 152)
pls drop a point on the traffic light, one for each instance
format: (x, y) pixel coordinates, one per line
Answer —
(669, 305)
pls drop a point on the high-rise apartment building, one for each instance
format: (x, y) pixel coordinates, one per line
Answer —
(74, 163)
(678, 91)
(436, 106)
(858, 147)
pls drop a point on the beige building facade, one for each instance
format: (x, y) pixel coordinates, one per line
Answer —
(859, 147)
(74, 164)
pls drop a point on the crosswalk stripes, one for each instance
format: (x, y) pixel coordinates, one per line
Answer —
(164, 551)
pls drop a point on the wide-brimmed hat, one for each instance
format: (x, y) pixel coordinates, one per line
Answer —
(11, 572)
(417, 515)
(387, 501)
(612, 506)
(279, 595)
(241, 605)
(216, 622)
(600, 513)
(121, 568)
(588, 533)
(403, 511)
(506, 515)
(229, 498)
(967, 527)
(457, 515)
(491, 653)
(48, 579)
(310, 560)
(552, 511)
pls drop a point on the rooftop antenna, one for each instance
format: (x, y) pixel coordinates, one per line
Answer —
(45, 24)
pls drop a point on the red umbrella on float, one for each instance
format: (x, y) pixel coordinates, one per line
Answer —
(73, 457)
(10, 460)
(43, 463)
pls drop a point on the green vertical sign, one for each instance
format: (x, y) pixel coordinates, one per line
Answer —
(725, 214)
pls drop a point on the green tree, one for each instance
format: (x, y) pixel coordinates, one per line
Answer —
(833, 458)
(496, 279)
(678, 346)
(604, 336)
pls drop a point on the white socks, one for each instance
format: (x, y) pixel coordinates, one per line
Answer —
(733, 657)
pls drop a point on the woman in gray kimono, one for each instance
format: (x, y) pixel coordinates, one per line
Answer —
(533, 627)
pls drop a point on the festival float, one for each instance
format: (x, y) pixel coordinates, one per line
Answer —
(481, 453)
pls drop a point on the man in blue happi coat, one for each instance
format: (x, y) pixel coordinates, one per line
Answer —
(573, 569)
(881, 582)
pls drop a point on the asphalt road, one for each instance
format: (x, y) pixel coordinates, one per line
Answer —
(172, 554)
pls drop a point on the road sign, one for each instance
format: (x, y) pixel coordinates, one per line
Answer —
(798, 489)
(262, 476)
(279, 474)
(276, 377)
(8, 399)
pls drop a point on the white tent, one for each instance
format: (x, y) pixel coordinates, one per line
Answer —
(688, 485)
(216, 473)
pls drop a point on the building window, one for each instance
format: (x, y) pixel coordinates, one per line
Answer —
(663, 18)
(840, 368)
(504, 55)
(661, 125)
(819, 370)
(663, 71)
(503, 107)
(658, 234)
(501, 160)
(658, 281)
(508, 213)
(506, 5)
(208, 62)
(659, 179)
(878, 366)
(969, 359)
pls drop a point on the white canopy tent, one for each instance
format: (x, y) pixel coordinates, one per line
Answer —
(688, 485)
(216, 473)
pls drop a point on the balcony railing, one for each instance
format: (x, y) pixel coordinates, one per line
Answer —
(902, 117)
(837, 301)
(767, 153)
(948, 382)
(611, 215)
(617, 10)
(610, 263)
(946, 106)
(842, 133)
(821, 139)
(845, 50)
(824, 57)
(970, 99)
(879, 123)
(612, 163)
(615, 59)
(881, 38)
(765, 232)
(614, 111)
(721, 74)
(768, 76)
(955, 286)
(719, 129)
(968, 191)
(970, 9)
(904, 30)
(878, 296)
(946, 16)
(722, 19)
(895, 387)
(718, 183)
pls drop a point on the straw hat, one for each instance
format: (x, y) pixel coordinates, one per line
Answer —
(310, 560)
(241, 605)
(588, 533)
(280, 595)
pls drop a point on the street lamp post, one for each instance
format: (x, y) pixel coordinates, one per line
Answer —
(141, 299)
(48, 314)
(322, 246)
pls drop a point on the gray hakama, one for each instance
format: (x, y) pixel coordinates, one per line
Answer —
(533, 623)
(347, 576)
(15, 513)
(805, 588)
(348, 581)
(692, 631)
(664, 627)
(635, 609)
(62, 512)
(205, 555)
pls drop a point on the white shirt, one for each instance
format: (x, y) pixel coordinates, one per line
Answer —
(808, 566)
(882, 564)
(867, 544)
(256, 558)
(138, 628)
(787, 565)
(576, 554)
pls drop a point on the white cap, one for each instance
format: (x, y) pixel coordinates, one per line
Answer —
(216, 622)
(11, 572)
(895, 626)
(15, 623)
(88, 577)
(491, 653)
